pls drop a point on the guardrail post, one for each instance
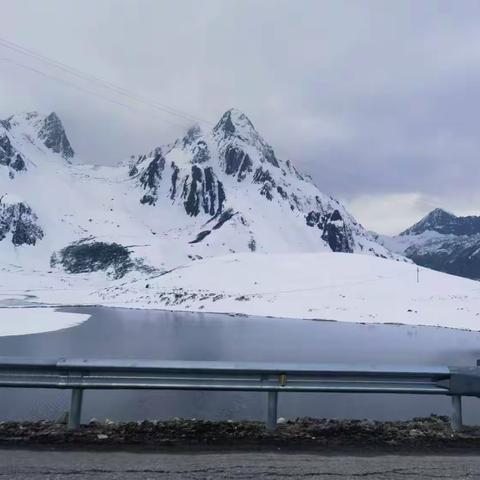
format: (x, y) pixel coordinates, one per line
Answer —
(272, 407)
(456, 419)
(75, 409)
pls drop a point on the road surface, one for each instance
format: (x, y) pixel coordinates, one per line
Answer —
(105, 465)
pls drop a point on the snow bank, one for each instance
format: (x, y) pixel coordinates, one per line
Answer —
(22, 321)
(329, 286)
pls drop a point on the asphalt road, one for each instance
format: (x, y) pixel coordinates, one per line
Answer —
(105, 465)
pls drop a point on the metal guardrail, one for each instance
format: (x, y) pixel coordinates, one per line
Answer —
(79, 375)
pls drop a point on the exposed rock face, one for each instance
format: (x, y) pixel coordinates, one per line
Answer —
(235, 125)
(203, 193)
(9, 157)
(54, 137)
(18, 223)
(442, 241)
(31, 129)
(151, 177)
(196, 186)
(237, 163)
(334, 230)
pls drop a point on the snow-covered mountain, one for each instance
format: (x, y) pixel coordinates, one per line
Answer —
(210, 193)
(442, 241)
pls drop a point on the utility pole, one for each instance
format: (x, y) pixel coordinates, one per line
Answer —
(418, 274)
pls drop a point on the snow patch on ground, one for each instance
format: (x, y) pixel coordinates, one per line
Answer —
(23, 321)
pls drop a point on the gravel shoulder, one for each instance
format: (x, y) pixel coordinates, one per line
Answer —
(322, 435)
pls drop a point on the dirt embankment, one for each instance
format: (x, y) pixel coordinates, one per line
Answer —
(419, 433)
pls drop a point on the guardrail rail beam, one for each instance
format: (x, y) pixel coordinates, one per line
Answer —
(271, 378)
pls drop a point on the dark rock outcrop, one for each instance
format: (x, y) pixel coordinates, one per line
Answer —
(237, 162)
(333, 230)
(54, 137)
(18, 221)
(9, 157)
(151, 177)
(203, 192)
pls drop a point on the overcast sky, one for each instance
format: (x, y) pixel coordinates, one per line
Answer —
(378, 100)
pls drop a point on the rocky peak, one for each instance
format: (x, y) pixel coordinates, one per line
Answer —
(234, 131)
(235, 123)
(48, 129)
(444, 222)
(439, 216)
(54, 137)
(434, 220)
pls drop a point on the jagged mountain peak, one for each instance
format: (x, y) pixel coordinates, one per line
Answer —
(235, 134)
(444, 222)
(235, 123)
(439, 215)
(436, 220)
(54, 136)
(47, 128)
(229, 180)
(442, 241)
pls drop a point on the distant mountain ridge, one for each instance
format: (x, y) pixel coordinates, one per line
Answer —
(441, 221)
(442, 241)
(209, 193)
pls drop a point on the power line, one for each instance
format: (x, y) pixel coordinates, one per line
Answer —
(103, 83)
(99, 81)
(84, 90)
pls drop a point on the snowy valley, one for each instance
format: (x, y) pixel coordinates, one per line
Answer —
(211, 222)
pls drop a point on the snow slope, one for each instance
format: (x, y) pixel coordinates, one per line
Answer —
(330, 286)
